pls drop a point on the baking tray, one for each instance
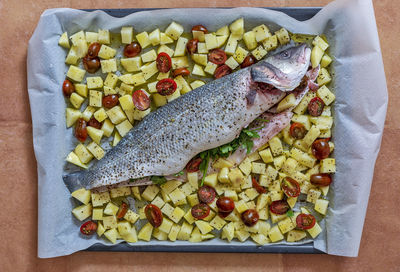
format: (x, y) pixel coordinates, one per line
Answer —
(300, 14)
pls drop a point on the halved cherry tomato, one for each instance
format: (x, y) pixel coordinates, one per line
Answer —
(200, 28)
(164, 62)
(257, 186)
(191, 46)
(122, 210)
(166, 86)
(80, 130)
(110, 101)
(305, 221)
(248, 61)
(250, 217)
(316, 106)
(206, 194)
(90, 64)
(297, 131)
(88, 228)
(141, 100)
(94, 49)
(321, 179)
(68, 88)
(320, 149)
(181, 72)
(217, 56)
(225, 204)
(221, 71)
(132, 50)
(154, 215)
(290, 187)
(193, 165)
(279, 207)
(200, 211)
(94, 123)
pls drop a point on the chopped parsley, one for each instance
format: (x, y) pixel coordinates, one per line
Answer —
(179, 174)
(290, 213)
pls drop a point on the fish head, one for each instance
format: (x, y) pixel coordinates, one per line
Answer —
(285, 69)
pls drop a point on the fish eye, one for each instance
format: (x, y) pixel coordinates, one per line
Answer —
(285, 54)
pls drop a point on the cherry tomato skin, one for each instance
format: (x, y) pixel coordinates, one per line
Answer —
(68, 88)
(225, 204)
(181, 72)
(110, 101)
(200, 28)
(297, 131)
(94, 49)
(200, 211)
(305, 221)
(217, 56)
(250, 217)
(320, 149)
(222, 70)
(257, 186)
(132, 50)
(166, 86)
(91, 65)
(279, 207)
(193, 165)
(248, 61)
(315, 106)
(122, 210)
(321, 179)
(164, 62)
(154, 215)
(191, 46)
(94, 123)
(81, 130)
(88, 228)
(141, 100)
(206, 194)
(290, 187)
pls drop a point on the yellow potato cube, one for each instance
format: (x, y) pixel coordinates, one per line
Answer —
(262, 32)
(116, 115)
(288, 102)
(180, 62)
(104, 36)
(318, 41)
(111, 209)
(132, 64)
(74, 159)
(270, 43)
(289, 166)
(184, 231)
(99, 199)
(95, 98)
(84, 156)
(241, 206)
(81, 89)
(97, 214)
(63, 41)
(95, 134)
(236, 177)
(72, 115)
(249, 39)
(211, 180)
(251, 193)
(154, 37)
(91, 37)
(100, 115)
(258, 168)
(310, 137)
(316, 56)
(223, 175)
(180, 49)
(177, 214)
(324, 77)
(96, 150)
(143, 39)
(82, 212)
(149, 56)
(237, 27)
(302, 157)
(131, 216)
(321, 206)
(240, 54)
(279, 161)
(242, 235)
(150, 192)
(196, 84)
(200, 59)
(124, 127)
(221, 163)
(108, 66)
(295, 235)
(166, 225)
(174, 30)
(160, 235)
(82, 195)
(286, 225)
(126, 34)
(315, 231)
(193, 200)
(266, 155)
(177, 197)
(164, 39)
(211, 41)
(203, 226)
(232, 63)
(302, 106)
(75, 73)
(283, 36)
(145, 232)
(259, 52)
(111, 80)
(221, 40)
(325, 61)
(124, 228)
(328, 165)
(201, 47)
(326, 95)
(173, 234)
(111, 235)
(120, 191)
(275, 234)
(276, 146)
(72, 56)
(198, 70)
(107, 52)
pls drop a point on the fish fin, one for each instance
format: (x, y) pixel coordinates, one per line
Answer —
(73, 181)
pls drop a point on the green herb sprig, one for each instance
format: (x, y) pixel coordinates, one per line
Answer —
(158, 180)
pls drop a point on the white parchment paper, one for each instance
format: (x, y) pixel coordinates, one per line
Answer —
(360, 109)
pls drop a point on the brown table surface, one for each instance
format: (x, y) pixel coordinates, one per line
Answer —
(380, 243)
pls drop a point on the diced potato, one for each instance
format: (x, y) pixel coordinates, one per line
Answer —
(251, 193)
(196, 84)
(271, 43)
(262, 32)
(202, 48)
(162, 75)
(221, 163)
(174, 30)
(189, 217)
(160, 235)
(150, 192)
(74, 159)
(286, 103)
(110, 222)
(325, 61)
(82, 195)
(302, 119)
(95, 134)
(275, 234)
(302, 106)
(64, 41)
(75, 73)
(180, 62)
(324, 77)
(72, 57)
(173, 234)
(99, 199)
(143, 39)
(279, 161)
(321, 206)
(178, 197)
(315, 231)
(328, 165)
(170, 185)
(131, 237)
(326, 95)
(286, 225)
(236, 177)
(72, 115)
(149, 70)
(198, 35)
(83, 154)
(126, 34)
(211, 180)
(104, 36)
(149, 56)
(203, 226)
(211, 41)
(313, 195)
(132, 217)
(145, 232)
(237, 27)
(302, 157)
(111, 235)
(318, 41)
(177, 214)
(193, 200)
(108, 66)
(283, 36)
(258, 168)
(198, 70)
(97, 214)
(78, 36)
(266, 155)
(116, 115)
(132, 64)
(259, 52)
(96, 150)
(276, 146)
(242, 235)
(249, 39)
(82, 212)
(316, 56)
(245, 166)
(164, 39)
(310, 137)
(240, 54)
(111, 209)
(232, 43)
(228, 231)
(200, 59)
(182, 85)
(195, 236)
(180, 49)
(120, 191)
(154, 37)
(111, 80)
(81, 89)
(289, 166)
(241, 206)
(295, 235)
(232, 63)
(184, 232)
(221, 40)
(107, 52)
(91, 37)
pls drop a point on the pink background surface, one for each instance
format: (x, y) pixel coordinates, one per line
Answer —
(380, 243)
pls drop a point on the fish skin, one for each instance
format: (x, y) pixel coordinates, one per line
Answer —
(165, 140)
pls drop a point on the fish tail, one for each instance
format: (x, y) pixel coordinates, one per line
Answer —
(73, 181)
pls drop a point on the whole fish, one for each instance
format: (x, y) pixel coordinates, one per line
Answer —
(207, 117)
